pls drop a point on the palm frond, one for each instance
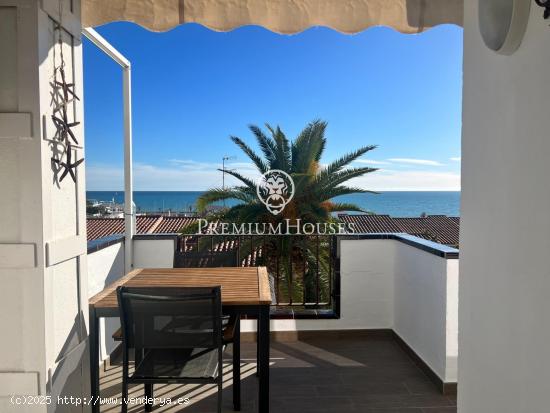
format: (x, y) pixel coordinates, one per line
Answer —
(339, 191)
(308, 146)
(218, 194)
(250, 212)
(248, 182)
(284, 155)
(267, 145)
(319, 142)
(337, 178)
(259, 162)
(344, 206)
(345, 160)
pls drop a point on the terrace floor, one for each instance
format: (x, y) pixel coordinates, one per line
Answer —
(338, 374)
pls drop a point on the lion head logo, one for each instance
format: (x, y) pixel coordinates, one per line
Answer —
(275, 190)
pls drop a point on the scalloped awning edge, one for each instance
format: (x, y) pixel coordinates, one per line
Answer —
(280, 16)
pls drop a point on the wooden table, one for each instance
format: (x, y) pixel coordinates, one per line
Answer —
(245, 290)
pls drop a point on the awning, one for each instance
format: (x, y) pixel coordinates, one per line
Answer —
(281, 16)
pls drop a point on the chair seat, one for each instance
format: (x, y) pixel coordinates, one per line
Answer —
(179, 364)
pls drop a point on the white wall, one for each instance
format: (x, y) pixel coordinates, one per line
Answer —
(154, 253)
(387, 284)
(107, 265)
(366, 290)
(453, 293)
(367, 276)
(504, 363)
(43, 304)
(104, 267)
(426, 307)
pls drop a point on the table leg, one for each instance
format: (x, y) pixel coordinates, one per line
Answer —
(94, 359)
(237, 365)
(258, 346)
(263, 348)
(148, 397)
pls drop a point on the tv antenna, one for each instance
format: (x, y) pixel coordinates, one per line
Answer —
(224, 159)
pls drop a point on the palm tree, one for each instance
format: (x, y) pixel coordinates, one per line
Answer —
(316, 187)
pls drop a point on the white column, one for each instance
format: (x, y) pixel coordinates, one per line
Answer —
(504, 303)
(43, 294)
(129, 212)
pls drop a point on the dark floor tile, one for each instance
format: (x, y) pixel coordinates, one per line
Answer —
(452, 397)
(365, 389)
(335, 375)
(421, 385)
(310, 404)
(371, 374)
(396, 410)
(400, 401)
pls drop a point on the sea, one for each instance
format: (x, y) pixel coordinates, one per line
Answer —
(393, 203)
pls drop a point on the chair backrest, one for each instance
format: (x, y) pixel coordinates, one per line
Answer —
(161, 318)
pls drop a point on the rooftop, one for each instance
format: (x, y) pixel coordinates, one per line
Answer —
(438, 228)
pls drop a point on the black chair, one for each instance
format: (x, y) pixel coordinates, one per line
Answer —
(231, 326)
(176, 336)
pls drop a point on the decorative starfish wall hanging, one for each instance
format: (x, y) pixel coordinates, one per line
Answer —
(64, 94)
(64, 129)
(68, 165)
(67, 88)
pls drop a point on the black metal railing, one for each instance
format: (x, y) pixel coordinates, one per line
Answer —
(304, 269)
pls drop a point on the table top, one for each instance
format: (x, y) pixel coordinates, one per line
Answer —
(239, 285)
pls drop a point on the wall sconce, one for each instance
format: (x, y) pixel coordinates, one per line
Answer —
(546, 5)
(502, 23)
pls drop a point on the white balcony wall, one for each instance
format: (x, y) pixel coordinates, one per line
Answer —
(154, 253)
(387, 284)
(366, 269)
(104, 267)
(426, 307)
(505, 274)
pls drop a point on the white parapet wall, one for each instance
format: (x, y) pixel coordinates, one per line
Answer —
(105, 266)
(154, 251)
(400, 283)
(426, 307)
(390, 282)
(366, 273)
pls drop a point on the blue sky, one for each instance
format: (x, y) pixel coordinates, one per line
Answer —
(193, 88)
